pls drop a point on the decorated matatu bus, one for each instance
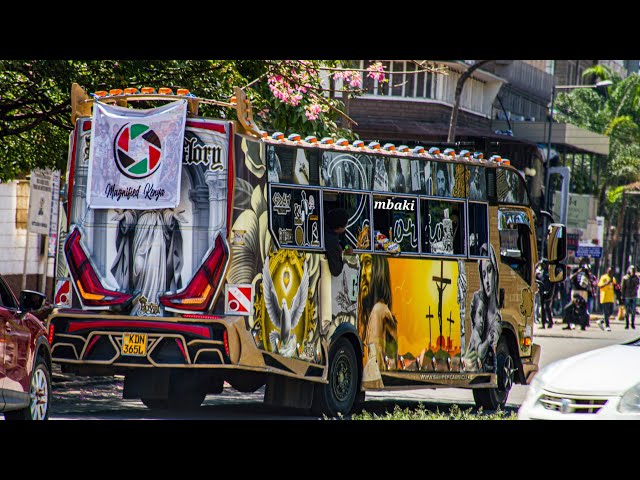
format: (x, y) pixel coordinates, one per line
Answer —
(192, 253)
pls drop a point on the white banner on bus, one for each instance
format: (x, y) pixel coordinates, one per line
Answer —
(135, 156)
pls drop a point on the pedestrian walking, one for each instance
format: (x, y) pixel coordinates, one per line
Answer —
(546, 290)
(577, 312)
(606, 284)
(629, 286)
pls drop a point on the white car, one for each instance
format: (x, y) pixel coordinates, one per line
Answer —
(599, 384)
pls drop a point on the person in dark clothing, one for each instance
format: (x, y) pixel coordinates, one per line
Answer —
(630, 283)
(547, 292)
(335, 244)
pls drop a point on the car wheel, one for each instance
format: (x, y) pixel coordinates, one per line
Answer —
(39, 393)
(492, 398)
(339, 395)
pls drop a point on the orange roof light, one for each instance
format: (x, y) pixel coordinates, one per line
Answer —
(327, 141)
(343, 142)
(434, 151)
(418, 150)
(165, 91)
(449, 151)
(358, 143)
(389, 147)
(130, 91)
(505, 161)
(265, 134)
(278, 136)
(374, 145)
(147, 90)
(465, 153)
(294, 137)
(115, 91)
(100, 93)
(183, 91)
(311, 139)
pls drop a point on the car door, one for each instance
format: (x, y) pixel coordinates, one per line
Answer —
(16, 345)
(2, 371)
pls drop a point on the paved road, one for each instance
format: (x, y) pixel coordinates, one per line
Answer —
(101, 397)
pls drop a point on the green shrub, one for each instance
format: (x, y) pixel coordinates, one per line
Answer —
(421, 413)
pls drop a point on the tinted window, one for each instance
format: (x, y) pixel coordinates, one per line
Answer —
(443, 227)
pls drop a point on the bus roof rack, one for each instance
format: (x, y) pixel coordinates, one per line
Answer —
(81, 103)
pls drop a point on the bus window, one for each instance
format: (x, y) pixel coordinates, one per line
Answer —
(395, 219)
(443, 227)
(515, 242)
(345, 170)
(295, 165)
(358, 232)
(294, 217)
(511, 187)
(478, 228)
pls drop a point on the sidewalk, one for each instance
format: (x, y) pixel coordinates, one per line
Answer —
(558, 326)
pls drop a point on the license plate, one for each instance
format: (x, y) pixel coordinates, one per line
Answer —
(134, 344)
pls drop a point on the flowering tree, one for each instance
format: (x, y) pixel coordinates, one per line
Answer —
(301, 95)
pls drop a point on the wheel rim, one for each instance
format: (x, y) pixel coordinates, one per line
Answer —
(507, 374)
(39, 393)
(342, 378)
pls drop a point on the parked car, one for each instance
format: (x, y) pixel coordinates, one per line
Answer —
(599, 384)
(25, 356)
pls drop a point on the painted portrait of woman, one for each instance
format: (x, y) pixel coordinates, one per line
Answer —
(485, 316)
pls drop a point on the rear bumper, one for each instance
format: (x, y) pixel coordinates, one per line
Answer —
(93, 343)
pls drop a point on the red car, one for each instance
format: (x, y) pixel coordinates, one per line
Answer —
(25, 356)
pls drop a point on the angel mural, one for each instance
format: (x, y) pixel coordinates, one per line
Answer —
(149, 254)
(284, 318)
(252, 244)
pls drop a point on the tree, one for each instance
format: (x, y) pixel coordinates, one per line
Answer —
(35, 109)
(451, 137)
(616, 114)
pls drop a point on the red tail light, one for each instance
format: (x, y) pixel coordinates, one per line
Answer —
(225, 337)
(51, 331)
(86, 281)
(199, 294)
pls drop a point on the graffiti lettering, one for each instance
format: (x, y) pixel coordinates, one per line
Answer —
(197, 152)
(400, 231)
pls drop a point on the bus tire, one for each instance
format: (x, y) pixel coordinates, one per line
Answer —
(494, 398)
(337, 397)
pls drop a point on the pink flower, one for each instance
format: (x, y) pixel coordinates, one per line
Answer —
(376, 71)
(312, 111)
(356, 80)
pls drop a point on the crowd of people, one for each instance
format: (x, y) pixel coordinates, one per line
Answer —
(577, 296)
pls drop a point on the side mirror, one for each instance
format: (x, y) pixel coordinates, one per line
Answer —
(557, 273)
(556, 243)
(30, 300)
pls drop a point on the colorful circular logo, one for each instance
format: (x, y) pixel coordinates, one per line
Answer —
(137, 150)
